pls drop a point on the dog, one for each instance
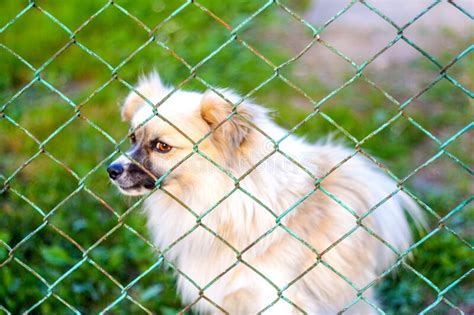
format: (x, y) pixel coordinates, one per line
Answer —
(252, 218)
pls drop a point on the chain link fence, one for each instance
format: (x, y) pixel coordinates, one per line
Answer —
(54, 291)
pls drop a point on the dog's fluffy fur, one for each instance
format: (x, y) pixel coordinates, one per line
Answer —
(244, 212)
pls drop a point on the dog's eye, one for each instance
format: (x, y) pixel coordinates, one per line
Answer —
(133, 139)
(162, 147)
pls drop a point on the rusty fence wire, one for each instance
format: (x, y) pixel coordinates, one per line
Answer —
(233, 37)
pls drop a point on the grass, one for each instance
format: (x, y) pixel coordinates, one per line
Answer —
(45, 186)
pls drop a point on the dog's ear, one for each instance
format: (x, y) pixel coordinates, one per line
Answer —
(234, 129)
(151, 87)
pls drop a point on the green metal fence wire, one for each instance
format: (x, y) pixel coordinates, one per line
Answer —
(234, 36)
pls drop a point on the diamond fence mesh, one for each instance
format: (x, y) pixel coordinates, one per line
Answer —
(55, 290)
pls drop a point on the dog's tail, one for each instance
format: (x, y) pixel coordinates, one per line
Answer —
(403, 211)
(414, 211)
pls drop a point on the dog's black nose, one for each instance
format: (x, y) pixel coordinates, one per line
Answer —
(115, 170)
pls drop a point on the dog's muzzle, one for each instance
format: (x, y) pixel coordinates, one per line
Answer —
(130, 176)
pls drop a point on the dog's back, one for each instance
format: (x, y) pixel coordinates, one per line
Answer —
(354, 225)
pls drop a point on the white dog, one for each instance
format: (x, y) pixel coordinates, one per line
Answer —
(274, 238)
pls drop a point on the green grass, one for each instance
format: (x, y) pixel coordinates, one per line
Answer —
(359, 109)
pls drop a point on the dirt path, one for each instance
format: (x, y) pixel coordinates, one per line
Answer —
(360, 33)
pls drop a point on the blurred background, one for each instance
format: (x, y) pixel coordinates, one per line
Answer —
(66, 180)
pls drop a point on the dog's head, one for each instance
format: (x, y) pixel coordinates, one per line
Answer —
(162, 141)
